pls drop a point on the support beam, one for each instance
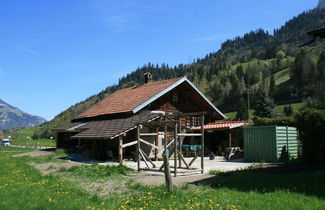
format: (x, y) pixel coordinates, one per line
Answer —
(138, 147)
(170, 154)
(120, 149)
(149, 134)
(229, 139)
(144, 159)
(146, 156)
(189, 134)
(148, 143)
(159, 122)
(193, 160)
(182, 159)
(180, 143)
(156, 144)
(187, 114)
(170, 143)
(129, 144)
(202, 143)
(175, 149)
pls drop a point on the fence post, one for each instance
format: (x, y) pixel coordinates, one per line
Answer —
(168, 178)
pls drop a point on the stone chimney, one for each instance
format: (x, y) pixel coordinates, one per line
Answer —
(147, 77)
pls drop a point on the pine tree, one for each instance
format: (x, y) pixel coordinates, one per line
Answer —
(320, 84)
(321, 66)
(242, 110)
(264, 104)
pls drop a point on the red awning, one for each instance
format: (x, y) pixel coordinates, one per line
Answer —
(222, 125)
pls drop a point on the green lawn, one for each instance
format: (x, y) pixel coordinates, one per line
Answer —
(296, 107)
(246, 64)
(282, 76)
(24, 137)
(23, 187)
(5, 151)
(277, 110)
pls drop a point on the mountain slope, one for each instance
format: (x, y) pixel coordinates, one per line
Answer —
(12, 117)
(216, 74)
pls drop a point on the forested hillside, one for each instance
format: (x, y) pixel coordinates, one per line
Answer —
(258, 64)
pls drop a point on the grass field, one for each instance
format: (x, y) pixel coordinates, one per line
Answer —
(282, 76)
(277, 110)
(23, 137)
(23, 187)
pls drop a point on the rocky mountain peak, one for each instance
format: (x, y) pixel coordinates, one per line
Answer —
(12, 117)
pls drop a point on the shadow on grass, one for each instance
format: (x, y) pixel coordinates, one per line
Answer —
(296, 178)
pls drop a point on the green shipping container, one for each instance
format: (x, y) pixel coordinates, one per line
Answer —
(265, 143)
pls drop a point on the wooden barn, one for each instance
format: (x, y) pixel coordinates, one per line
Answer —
(108, 130)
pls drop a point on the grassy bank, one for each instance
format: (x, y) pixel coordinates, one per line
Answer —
(24, 137)
(277, 110)
(23, 187)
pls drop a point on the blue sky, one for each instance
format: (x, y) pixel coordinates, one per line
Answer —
(54, 54)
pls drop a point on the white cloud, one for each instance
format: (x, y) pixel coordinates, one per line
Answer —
(125, 15)
(27, 50)
(20, 48)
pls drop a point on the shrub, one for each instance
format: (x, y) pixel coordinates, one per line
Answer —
(311, 125)
(279, 121)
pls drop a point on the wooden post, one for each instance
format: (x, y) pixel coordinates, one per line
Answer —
(229, 138)
(120, 150)
(168, 178)
(138, 147)
(202, 143)
(175, 149)
(180, 143)
(156, 143)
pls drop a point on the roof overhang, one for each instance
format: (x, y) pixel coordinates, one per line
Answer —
(92, 131)
(171, 87)
(221, 125)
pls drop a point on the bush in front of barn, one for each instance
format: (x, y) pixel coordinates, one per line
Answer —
(311, 126)
(279, 121)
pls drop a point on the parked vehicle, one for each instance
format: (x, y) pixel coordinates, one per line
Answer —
(4, 142)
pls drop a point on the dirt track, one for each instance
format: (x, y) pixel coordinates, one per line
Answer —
(157, 180)
(36, 153)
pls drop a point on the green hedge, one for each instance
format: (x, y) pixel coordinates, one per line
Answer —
(311, 125)
(279, 121)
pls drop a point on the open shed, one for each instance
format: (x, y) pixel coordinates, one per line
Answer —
(221, 135)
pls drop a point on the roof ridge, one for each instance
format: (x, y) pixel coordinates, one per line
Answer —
(157, 82)
(114, 99)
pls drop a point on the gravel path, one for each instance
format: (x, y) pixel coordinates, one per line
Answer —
(35, 153)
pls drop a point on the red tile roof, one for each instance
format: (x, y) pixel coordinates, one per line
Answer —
(222, 125)
(127, 99)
